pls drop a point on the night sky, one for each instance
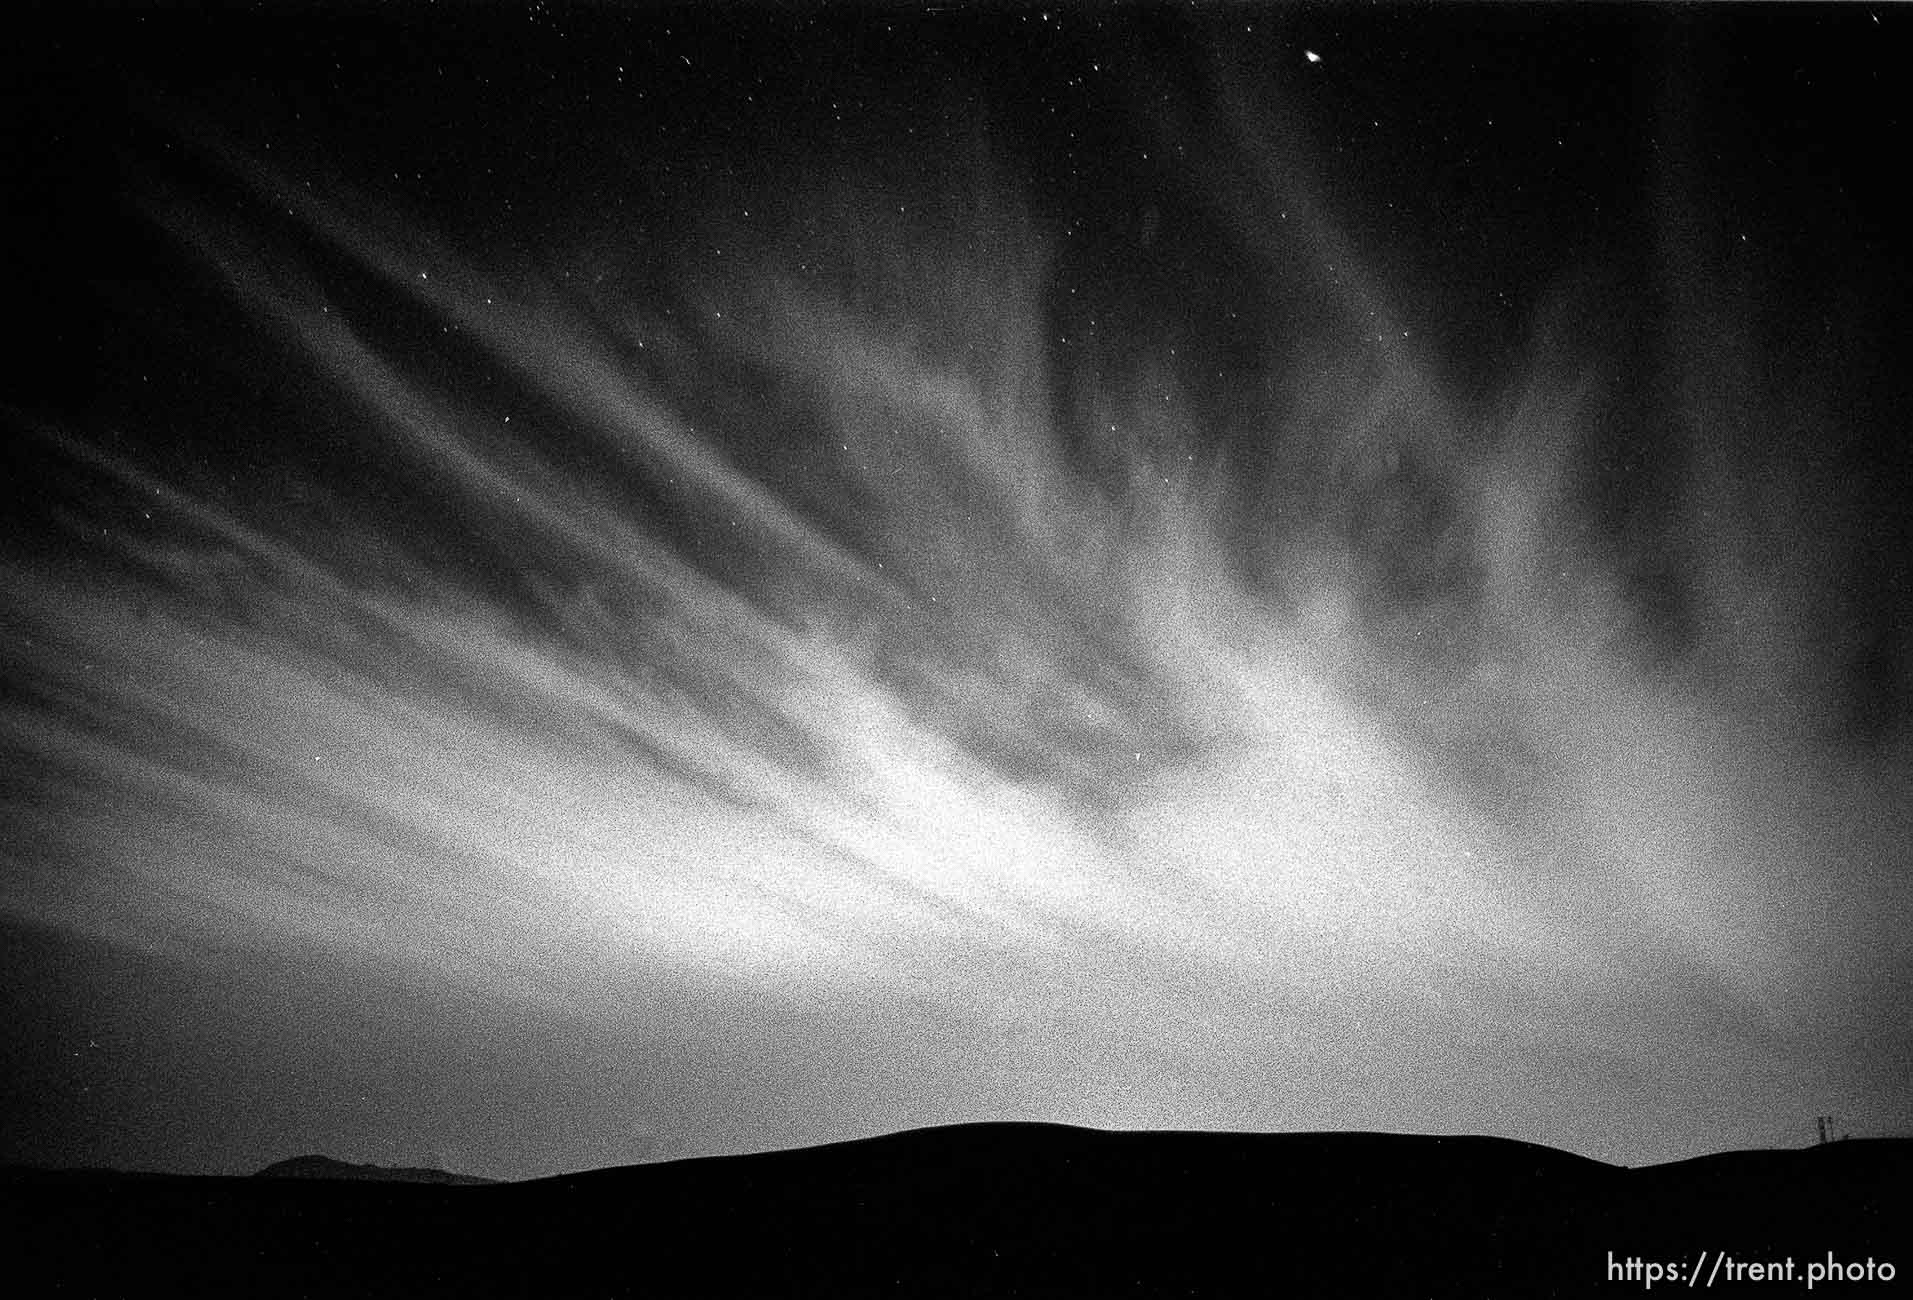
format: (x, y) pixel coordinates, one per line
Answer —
(581, 585)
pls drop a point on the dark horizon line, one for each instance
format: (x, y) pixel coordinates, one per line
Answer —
(10, 1170)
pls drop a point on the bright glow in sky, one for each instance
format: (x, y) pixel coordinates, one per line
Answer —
(818, 662)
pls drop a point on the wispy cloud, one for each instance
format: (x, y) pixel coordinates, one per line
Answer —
(830, 663)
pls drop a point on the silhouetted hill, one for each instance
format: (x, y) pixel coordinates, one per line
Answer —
(995, 1210)
(40, 1173)
(327, 1167)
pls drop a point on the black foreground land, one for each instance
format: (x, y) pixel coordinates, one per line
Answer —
(994, 1210)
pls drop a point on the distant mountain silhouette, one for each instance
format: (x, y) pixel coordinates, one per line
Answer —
(79, 1173)
(988, 1210)
(327, 1167)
